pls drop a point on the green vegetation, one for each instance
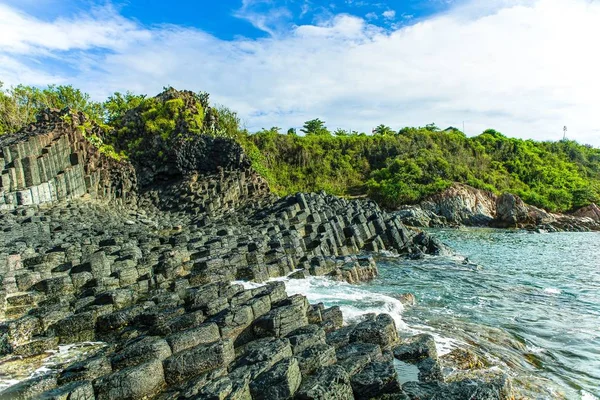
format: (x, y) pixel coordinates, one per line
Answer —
(138, 123)
(19, 105)
(392, 167)
(403, 167)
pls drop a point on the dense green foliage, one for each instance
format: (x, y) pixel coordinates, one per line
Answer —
(392, 167)
(404, 167)
(19, 105)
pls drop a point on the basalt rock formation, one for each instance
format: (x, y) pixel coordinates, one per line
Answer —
(142, 259)
(462, 205)
(52, 161)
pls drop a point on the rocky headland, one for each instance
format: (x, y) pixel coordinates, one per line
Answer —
(463, 205)
(143, 256)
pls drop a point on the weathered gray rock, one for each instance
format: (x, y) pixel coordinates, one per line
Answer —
(197, 360)
(430, 370)
(332, 318)
(18, 332)
(340, 337)
(76, 328)
(146, 349)
(510, 211)
(484, 386)
(29, 389)
(269, 350)
(315, 357)
(278, 383)
(462, 205)
(202, 334)
(137, 382)
(353, 357)
(86, 370)
(72, 391)
(381, 331)
(592, 211)
(280, 321)
(416, 348)
(306, 336)
(376, 379)
(234, 321)
(328, 383)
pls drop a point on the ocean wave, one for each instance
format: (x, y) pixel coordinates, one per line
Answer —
(355, 302)
(551, 290)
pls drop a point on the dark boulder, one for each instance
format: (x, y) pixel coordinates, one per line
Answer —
(376, 379)
(328, 383)
(137, 382)
(278, 383)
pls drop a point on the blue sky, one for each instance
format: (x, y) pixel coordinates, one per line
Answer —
(229, 19)
(523, 67)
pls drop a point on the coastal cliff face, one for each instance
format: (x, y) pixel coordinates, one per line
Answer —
(140, 255)
(462, 205)
(52, 161)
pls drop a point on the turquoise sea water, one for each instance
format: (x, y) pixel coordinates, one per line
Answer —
(529, 303)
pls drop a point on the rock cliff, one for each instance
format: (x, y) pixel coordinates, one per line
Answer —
(141, 256)
(462, 205)
(52, 161)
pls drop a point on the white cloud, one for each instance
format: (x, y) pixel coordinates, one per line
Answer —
(525, 69)
(268, 20)
(21, 33)
(389, 14)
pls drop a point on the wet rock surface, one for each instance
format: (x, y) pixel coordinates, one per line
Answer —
(148, 270)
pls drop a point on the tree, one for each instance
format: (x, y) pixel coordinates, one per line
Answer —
(275, 130)
(18, 107)
(66, 96)
(228, 121)
(119, 104)
(292, 132)
(383, 130)
(432, 127)
(20, 104)
(315, 127)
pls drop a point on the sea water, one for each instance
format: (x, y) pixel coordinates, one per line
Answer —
(528, 303)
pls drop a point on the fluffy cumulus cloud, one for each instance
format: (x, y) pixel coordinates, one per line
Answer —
(525, 68)
(389, 14)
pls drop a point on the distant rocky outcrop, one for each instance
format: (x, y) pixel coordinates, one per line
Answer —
(592, 212)
(462, 205)
(141, 255)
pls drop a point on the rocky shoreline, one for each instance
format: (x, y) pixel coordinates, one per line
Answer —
(143, 259)
(462, 205)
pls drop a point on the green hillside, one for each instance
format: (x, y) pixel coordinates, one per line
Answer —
(392, 167)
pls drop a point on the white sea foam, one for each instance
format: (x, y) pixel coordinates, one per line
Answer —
(61, 356)
(355, 302)
(535, 349)
(587, 396)
(247, 284)
(552, 291)
(6, 383)
(443, 345)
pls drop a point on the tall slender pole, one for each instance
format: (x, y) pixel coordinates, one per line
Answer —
(565, 133)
